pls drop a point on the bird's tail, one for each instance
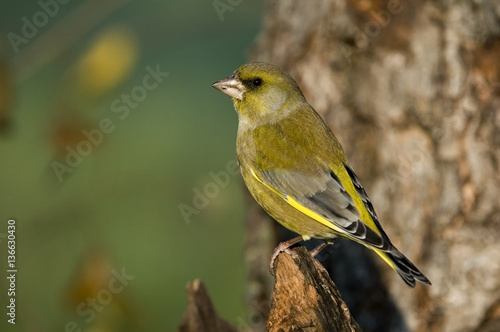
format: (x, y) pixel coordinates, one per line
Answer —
(403, 266)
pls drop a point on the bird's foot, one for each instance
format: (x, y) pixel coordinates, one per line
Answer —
(322, 246)
(284, 246)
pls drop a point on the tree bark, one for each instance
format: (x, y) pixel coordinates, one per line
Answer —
(412, 91)
(305, 298)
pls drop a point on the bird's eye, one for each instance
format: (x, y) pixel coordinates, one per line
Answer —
(257, 82)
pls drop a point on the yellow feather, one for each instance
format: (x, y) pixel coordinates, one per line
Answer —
(385, 258)
(308, 212)
(346, 181)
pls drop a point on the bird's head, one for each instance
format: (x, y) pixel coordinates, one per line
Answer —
(260, 91)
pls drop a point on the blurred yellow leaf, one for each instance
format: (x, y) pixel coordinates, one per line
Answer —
(109, 59)
(92, 275)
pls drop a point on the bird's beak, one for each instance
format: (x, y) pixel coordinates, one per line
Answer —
(231, 86)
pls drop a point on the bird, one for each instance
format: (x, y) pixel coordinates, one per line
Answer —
(296, 169)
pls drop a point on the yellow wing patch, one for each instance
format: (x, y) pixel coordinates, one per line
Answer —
(301, 208)
(348, 185)
(313, 215)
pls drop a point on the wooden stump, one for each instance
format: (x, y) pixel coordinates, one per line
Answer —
(304, 299)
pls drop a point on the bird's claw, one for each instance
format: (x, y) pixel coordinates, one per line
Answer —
(278, 251)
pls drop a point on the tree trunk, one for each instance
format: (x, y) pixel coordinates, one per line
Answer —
(412, 91)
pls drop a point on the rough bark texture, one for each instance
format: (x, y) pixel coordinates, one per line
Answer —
(412, 90)
(305, 298)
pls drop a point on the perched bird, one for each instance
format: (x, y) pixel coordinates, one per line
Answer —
(296, 169)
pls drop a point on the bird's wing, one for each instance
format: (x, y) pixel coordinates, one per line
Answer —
(325, 198)
(366, 200)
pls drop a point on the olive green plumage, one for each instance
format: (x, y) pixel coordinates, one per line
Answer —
(296, 169)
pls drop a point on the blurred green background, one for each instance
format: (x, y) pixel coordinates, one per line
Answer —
(119, 207)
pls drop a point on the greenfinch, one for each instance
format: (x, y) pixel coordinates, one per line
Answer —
(296, 169)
